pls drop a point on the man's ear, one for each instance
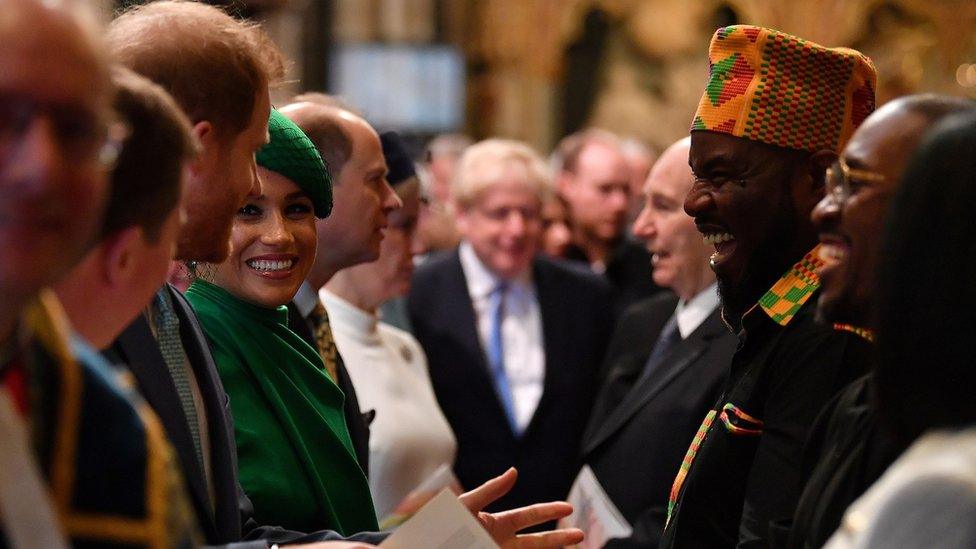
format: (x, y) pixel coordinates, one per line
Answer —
(817, 165)
(564, 183)
(810, 179)
(206, 134)
(119, 256)
(461, 216)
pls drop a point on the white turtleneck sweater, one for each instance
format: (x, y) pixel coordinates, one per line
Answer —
(409, 438)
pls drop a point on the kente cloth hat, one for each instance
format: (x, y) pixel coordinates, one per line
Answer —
(292, 154)
(397, 158)
(779, 89)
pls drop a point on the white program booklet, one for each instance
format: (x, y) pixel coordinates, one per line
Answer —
(442, 477)
(593, 512)
(441, 524)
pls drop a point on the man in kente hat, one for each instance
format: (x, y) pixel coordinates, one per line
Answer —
(848, 448)
(776, 112)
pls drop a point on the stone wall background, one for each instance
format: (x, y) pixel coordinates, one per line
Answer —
(537, 69)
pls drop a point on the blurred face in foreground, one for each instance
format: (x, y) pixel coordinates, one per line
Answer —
(54, 127)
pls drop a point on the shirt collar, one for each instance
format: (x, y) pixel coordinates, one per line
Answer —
(481, 281)
(306, 299)
(690, 314)
(346, 317)
(792, 290)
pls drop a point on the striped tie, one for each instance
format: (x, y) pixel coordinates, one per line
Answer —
(171, 347)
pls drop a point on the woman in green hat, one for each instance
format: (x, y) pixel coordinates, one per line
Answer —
(295, 456)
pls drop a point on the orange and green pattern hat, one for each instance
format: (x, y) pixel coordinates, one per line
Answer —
(779, 89)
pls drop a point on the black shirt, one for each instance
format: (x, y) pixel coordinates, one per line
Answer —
(846, 453)
(746, 471)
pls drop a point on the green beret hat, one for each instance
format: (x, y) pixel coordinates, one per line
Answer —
(292, 154)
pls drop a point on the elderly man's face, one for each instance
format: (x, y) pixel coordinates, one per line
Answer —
(503, 224)
(54, 111)
(746, 204)
(599, 192)
(851, 226)
(679, 255)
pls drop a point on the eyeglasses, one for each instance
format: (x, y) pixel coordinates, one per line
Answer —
(83, 135)
(842, 180)
(718, 181)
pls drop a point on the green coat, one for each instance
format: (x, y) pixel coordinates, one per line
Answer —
(295, 456)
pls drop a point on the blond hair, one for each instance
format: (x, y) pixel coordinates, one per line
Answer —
(486, 163)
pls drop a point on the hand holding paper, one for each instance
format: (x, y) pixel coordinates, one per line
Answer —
(442, 524)
(503, 526)
(594, 512)
(441, 478)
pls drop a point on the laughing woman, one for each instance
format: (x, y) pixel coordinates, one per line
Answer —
(295, 456)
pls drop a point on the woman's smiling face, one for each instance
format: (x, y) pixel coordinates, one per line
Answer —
(272, 244)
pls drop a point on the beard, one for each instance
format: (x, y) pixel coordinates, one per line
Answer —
(767, 264)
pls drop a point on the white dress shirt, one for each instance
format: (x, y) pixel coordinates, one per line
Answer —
(690, 314)
(410, 438)
(522, 343)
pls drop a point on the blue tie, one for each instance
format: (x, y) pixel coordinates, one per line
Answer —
(496, 353)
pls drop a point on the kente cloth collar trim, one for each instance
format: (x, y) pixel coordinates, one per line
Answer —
(792, 290)
(864, 333)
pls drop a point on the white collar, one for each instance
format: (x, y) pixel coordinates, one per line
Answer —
(347, 317)
(481, 281)
(305, 299)
(690, 314)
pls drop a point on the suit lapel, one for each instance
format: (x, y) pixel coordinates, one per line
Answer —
(223, 447)
(137, 347)
(555, 324)
(624, 365)
(674, 364)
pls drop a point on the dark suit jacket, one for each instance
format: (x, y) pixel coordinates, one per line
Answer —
(639, 433)
(575, 324)
(228, 520)
(357, 422)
